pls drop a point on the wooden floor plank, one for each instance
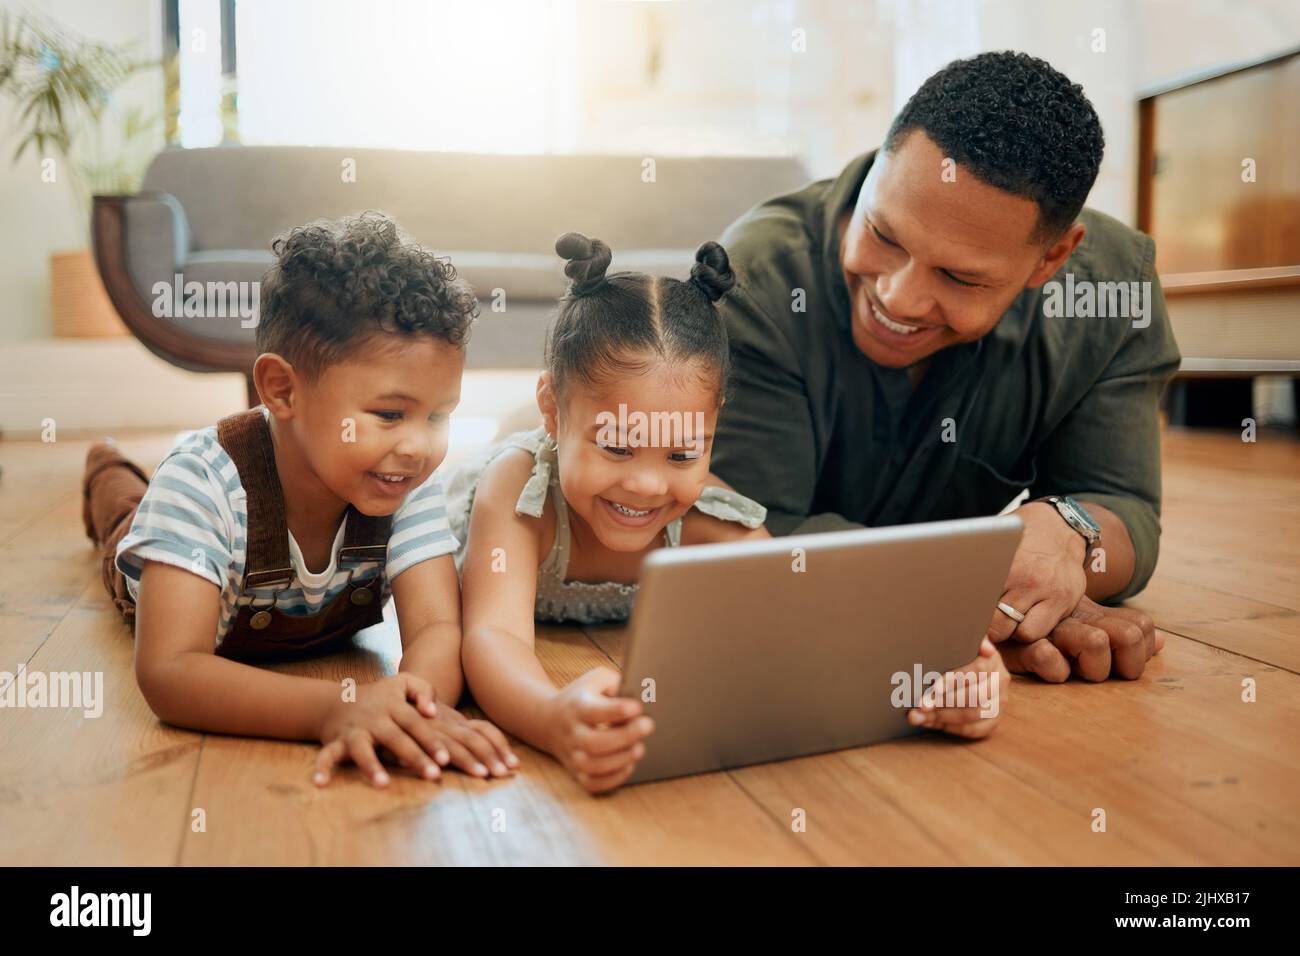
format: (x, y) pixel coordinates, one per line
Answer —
(1253, 629)
(1231, 515)
(539, 816)
(45, 557)
(1187, 772)
(93, 791)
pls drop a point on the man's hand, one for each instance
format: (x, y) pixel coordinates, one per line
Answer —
(1047, 578)
(1092, 642)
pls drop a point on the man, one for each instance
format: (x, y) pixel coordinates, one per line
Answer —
(935, 330)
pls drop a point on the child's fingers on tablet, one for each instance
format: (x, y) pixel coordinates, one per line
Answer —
(330, 756)
(361, 748)
(944, 692)
(605, 783)
(604, 764)
(612, 739)
(407, 751)
(596, 709)
(963, 722)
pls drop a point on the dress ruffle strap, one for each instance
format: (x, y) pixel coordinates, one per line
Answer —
(532, 500)
(728, 505)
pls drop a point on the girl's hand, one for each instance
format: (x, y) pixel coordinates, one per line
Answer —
(475, 746)
(982, 706)
(596, 735)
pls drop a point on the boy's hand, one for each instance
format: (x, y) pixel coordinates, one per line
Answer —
(596, 735)
(391, 713)
(974, 720)
(398, 714)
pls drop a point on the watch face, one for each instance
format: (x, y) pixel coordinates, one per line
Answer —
(1081, 514)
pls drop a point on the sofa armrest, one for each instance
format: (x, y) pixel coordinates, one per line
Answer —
(141, 240)
(157, 237)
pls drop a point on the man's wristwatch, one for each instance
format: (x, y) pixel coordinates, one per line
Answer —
(1077, 517)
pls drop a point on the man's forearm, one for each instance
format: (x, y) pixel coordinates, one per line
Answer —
(1108, 565)
(1110, 562)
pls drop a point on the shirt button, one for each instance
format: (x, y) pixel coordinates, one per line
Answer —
(361, 596)
(260, 620)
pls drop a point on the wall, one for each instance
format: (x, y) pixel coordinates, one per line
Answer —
(1145, 42)
(38, 218)
(730, 67)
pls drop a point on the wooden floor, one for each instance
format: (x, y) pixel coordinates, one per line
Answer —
(1186, 772)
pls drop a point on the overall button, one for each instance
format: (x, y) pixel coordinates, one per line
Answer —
(260, 620)
(361, 596)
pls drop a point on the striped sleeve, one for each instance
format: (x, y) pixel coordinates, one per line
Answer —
(179, 523)
(421, 530)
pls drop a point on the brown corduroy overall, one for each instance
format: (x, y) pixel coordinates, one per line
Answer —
(260, 632)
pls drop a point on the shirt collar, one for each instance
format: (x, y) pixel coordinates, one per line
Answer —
(843, 195)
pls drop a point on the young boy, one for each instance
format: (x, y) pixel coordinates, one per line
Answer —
(281, 531)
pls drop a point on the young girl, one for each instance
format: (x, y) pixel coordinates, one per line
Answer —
(554, 523)
(563, 515)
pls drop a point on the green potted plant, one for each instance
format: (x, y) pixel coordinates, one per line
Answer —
(62, 85)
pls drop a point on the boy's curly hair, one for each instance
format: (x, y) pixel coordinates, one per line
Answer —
(336, 283)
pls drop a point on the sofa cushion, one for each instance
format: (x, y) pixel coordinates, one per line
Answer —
(231, 287)
(240, 197)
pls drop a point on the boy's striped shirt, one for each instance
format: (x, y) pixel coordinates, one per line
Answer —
(194, 515)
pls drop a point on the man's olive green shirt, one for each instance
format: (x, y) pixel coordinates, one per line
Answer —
(826, 439)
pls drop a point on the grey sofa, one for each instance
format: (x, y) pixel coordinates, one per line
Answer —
(208, 215)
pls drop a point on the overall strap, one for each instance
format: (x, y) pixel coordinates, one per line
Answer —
(366, 538)
(246, 437)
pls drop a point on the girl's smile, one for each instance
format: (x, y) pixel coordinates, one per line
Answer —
(623, 492)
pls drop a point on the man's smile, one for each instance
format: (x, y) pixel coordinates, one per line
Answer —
(898, 334)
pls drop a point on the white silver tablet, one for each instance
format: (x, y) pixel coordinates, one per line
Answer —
(764, 650)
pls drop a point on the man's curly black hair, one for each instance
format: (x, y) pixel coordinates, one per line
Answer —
(337, 283)
(1017, 124)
